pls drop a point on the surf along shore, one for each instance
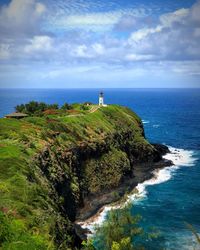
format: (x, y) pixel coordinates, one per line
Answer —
(133, 189)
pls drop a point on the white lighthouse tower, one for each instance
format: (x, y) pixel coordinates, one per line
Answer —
(101, 101)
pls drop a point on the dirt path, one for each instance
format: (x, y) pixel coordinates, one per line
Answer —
(92, 110)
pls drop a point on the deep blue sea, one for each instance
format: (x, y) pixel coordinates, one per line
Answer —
(172, 117)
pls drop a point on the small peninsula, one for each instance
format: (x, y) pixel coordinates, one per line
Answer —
(64, 165)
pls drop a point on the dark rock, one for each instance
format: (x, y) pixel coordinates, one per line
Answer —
(81, 232)
(69, 187)
(162, 149)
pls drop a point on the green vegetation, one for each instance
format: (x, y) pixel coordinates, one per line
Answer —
(49, 164)
(66, 106)
(120, 231)
(84, 107)
(112, 164)
(34, 108)
(14, 235)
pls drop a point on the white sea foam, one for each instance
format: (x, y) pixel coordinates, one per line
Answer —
(156, 126)
(145, 122)
(179, 157)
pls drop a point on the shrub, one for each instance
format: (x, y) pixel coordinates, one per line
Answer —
(84, 107)
(119, 231)
(15, 236)
(35, 108)
(66, 106)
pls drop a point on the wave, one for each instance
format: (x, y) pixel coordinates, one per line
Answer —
(179, 157)
(145, 122)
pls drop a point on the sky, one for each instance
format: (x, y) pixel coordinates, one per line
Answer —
(100, 43)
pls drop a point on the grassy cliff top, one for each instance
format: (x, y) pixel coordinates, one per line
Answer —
(26, 210)
(31, 134)
(21, 139)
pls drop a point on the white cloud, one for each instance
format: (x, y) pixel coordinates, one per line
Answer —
(96, 21)
(40, 8)
(195, 10)
(21, 17)
(137, 57)
(92, 19)
(176, 16)
(81, 51)
(142, 33)
(4, 51)
(92, 51)
(39, 44)
(173, 37)
(197, 32)
(153, 74)
(98, 48)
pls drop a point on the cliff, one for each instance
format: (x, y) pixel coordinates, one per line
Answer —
(55, 170)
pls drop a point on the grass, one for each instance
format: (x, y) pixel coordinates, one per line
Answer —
(26, 196)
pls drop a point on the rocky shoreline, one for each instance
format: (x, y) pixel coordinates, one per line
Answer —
(72, 167)
(94, 204)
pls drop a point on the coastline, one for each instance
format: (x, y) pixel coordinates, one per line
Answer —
(156, 174)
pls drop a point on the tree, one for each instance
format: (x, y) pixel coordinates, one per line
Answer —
(20, 108)
(32, 107)
(53, 106)
(88, 245)
(119, 231)
(124, 244)
(35, 108)
(84, 107)
(66, 106)
(42, 106)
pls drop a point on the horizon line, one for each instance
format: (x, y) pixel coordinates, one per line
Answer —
(12, 88)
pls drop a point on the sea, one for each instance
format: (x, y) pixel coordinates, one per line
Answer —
(170, 116)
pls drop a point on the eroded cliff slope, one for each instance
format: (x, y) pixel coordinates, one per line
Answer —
(53, 167)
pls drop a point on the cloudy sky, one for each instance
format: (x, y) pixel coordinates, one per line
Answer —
(99, 43)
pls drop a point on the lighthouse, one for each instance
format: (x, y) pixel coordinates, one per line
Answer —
(101, 102)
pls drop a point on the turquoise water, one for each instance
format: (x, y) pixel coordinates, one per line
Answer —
(171, 117)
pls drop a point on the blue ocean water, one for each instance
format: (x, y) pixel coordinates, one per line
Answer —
(171, 116)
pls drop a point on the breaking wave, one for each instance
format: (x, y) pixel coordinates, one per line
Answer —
(179, 157)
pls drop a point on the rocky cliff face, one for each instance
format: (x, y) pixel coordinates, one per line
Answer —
(79, 176)
(85, 162)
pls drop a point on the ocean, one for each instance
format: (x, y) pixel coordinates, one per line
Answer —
(171, 117)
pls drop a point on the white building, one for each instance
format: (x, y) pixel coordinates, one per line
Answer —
(101, 99)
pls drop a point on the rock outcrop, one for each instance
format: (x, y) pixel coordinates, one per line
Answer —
(83, 163)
